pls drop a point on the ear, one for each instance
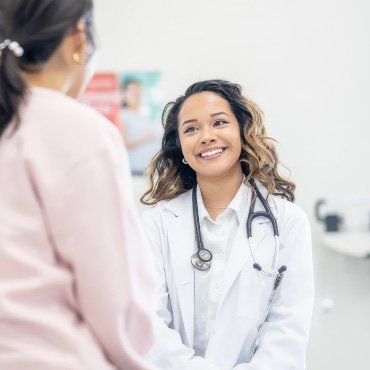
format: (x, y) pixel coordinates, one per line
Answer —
(73, 48)
(79, 54)
(80, 26)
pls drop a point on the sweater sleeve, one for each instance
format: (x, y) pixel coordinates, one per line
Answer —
(95, 231)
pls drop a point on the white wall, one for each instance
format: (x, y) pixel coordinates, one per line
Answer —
(304, 62)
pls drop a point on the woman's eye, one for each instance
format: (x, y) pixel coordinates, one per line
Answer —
(220, 122)
(189, 129)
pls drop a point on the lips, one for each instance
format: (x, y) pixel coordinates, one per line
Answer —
(211, 152)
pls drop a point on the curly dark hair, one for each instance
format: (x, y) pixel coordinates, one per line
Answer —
(169, 177)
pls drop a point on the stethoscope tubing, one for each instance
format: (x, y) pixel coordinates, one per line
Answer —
(274, 264)
(267, 213)
(202, 259)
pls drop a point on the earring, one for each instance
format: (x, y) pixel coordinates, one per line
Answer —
(78, 59)
(183, 161)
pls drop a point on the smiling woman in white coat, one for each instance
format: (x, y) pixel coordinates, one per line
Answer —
(227, 301)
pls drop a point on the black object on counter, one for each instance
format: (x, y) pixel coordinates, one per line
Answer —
(332, 221)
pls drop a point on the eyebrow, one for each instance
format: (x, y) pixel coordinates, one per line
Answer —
(195, 120)
(217, 114)
(189, 121)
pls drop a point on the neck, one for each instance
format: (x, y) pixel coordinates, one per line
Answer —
(50, 79)
(218, 193)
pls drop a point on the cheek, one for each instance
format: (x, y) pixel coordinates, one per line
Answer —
(185, 145)
(235, 139)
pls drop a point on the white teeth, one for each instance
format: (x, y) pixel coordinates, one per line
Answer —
(211, 152)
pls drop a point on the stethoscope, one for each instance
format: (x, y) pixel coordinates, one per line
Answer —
(202, 258)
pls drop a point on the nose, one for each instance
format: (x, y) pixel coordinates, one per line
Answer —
(207, 136)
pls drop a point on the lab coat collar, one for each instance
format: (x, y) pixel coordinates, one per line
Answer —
(236, 205)
(184, 201)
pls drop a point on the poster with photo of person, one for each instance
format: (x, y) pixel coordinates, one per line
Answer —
(132, 101)
(140, 115)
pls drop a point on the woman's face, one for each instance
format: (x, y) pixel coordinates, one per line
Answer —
(132, 95)
(209, 136)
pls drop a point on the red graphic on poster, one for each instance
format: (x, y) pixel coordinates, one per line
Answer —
(102, 93)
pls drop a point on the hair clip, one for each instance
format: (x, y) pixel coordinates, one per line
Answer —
(13, 46)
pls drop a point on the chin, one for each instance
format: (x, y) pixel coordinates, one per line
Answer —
(218, 171)
(211, 174)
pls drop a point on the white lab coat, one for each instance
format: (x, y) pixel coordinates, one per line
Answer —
(243, 302)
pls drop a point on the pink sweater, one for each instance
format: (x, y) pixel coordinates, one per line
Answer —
(76, 283)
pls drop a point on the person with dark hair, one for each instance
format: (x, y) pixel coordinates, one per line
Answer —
(232, 250)
(76, 286)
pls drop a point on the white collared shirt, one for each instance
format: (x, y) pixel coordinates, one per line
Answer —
(218, 236)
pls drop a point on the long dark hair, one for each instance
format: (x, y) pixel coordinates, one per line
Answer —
(38, 26)
(169, 177)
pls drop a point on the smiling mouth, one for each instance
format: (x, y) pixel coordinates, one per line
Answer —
(212, 153)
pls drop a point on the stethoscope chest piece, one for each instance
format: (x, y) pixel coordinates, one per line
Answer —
(202, 259)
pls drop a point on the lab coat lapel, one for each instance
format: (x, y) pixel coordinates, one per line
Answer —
(240, 254)
(181, 241)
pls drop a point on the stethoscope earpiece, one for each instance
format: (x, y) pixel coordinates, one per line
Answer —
(257, 266)
(282, 269)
